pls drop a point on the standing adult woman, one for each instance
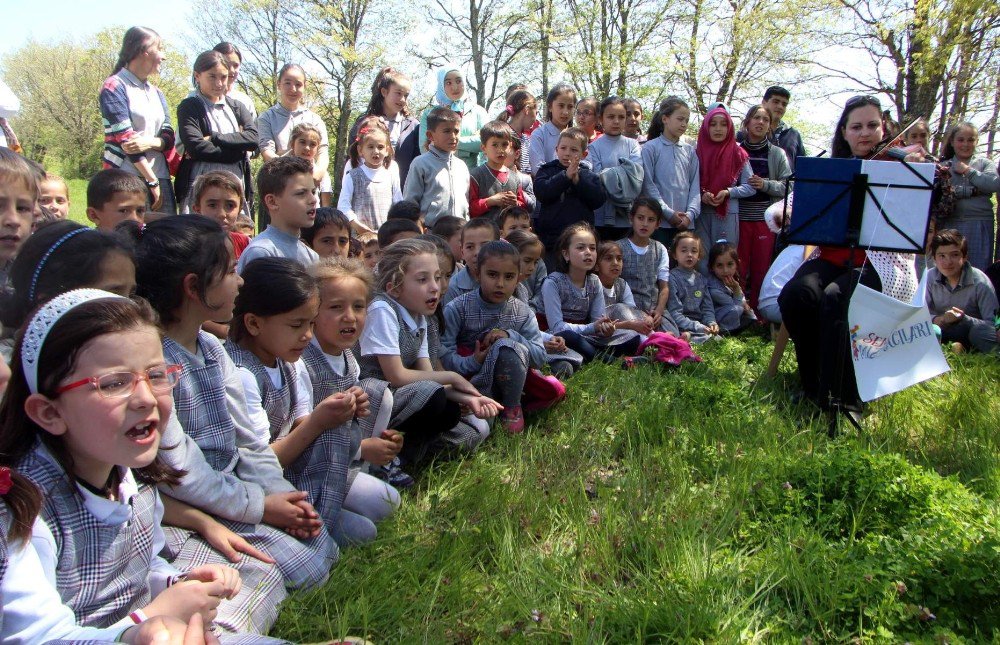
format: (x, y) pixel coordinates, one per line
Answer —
(137, 130)
(217, 130)
(274, 126)
(390, 93)
(451, 93)
(814, 302)
(974, 178)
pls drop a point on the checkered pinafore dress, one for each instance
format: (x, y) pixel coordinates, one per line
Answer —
(101, 569)
(639, 271)
(478, 319)
(371, 200)
(575, 304)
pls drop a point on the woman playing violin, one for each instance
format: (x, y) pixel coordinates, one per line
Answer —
(814, 303)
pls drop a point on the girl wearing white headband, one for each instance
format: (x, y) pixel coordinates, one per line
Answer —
(82, 421)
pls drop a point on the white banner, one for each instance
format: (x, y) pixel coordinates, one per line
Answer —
(893, 344)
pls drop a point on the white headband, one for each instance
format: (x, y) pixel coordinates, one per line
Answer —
(43, 321)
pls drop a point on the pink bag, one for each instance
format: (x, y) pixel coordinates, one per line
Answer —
(666, 349)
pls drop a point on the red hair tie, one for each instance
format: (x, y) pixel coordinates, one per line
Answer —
(6, 483)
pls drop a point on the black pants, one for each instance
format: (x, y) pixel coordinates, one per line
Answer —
(437, 416)
(814, 309)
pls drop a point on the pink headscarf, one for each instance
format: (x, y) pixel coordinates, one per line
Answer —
(719, 163)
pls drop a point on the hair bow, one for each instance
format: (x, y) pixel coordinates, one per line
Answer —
(6, 483)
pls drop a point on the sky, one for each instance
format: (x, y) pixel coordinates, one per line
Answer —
(20, 23)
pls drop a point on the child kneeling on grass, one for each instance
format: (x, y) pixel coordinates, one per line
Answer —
(960, 296)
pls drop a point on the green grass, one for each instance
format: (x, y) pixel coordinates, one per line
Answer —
(78, 200)
(694, 504)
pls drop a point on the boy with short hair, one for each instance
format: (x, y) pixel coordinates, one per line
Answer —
(407, 209)
(219, 194)
(285, 186)
(437, 180)
(397, 229)
(370, 252)
(787, 138)
(568, 191)
(53, 196)
(476, 234)
(114, 196)
(960, 297)
(493, 186)
(18, 199)
(511, 219)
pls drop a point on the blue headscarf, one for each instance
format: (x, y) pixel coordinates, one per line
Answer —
(442, 98)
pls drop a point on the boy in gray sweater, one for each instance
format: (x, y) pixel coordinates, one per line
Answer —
(437, 180)
(960, 297)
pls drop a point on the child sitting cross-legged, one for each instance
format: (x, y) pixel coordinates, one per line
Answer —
(960, 296)
(732, 311)
(491, 337)
(690, 303)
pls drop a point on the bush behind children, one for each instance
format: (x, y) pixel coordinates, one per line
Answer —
(262, 404)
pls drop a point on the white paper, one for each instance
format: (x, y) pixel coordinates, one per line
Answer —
(906, 201)
(893, 344)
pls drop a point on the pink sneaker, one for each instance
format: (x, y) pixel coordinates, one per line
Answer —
(513, 420)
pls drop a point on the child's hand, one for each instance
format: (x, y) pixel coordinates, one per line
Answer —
(187, 598)
(708, 198)
(656, 317)
(362, 407)
(604, 327)
(231, 544)
(460, 384)
(494, 336)
(683, 222)
(756, 182)
(484, 407)
(573, 171)
(480, 352)
(229, 577)
(713, 329)
(645, 326)
(283, 511)
(379, 451)
(555, 346)
(335, 410)
(166, 630)
(950, 317)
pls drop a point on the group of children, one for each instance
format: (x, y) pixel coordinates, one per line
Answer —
(175, 462)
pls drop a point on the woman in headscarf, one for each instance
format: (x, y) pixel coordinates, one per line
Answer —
(451, 93)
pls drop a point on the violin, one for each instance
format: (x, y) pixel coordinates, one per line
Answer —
(890, 149)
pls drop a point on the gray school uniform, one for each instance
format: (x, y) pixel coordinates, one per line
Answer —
(639, 271)
(576, 306)
(470, 318)
(371, 201)
(463, 436)
(729, 310)
(460, 284)
(571, 356)
(208, 413)
(690, 303)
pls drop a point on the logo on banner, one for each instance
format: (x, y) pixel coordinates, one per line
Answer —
(871, 345)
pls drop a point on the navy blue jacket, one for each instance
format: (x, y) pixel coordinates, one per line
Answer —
(561, 202)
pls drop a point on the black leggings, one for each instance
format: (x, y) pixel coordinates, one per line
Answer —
(590, 351)
(438, 415)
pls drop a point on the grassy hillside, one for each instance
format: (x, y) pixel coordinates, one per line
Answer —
(694, 504)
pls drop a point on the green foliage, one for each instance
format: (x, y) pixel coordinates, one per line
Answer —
(651, 505)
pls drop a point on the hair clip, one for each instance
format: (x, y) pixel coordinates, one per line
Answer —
(722, 240)
(6, 483)
(510, 110)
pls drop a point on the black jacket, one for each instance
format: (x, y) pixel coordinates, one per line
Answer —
(193, 126)
(561, 202)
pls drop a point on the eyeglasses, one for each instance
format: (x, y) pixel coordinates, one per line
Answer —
(117, 385)
(862, 99)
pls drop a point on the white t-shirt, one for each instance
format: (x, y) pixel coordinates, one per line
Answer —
(301, 406)
(662, 268)
(381, 334)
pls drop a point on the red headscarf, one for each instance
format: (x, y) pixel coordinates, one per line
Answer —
(719, 163)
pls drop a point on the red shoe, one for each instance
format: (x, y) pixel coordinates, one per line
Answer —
(513, 420)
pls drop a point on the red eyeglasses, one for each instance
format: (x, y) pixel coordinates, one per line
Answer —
(161, 379)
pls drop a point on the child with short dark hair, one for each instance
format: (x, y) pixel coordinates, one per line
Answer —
(475, 235)
(438, 181)
(690, 303)
(113, 196)
(397, 229)
(306, 141)
(633, 121)
(370, 252)
(646, 264)
(492, 338)
(409, 209)
(219, 194)
(330, 234)
(960, 296)
(618, 161)
(18, 199)
(449, 228)
(285, 186)
(732, 311)
(586, 118)
(523, 178)
(493, 186)
(568, 191)
(511, 219)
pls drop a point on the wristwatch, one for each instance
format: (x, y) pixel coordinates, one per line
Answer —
(153, 184)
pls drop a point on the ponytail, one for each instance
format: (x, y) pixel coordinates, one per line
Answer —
(24, 502)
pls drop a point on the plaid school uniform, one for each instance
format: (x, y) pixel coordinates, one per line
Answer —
(370, 200)
(463, 436)
(202, 410)
(321, 469)
(639, 272)
(575, 303)
(478, 319)
(573, 357)
(101, 569)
